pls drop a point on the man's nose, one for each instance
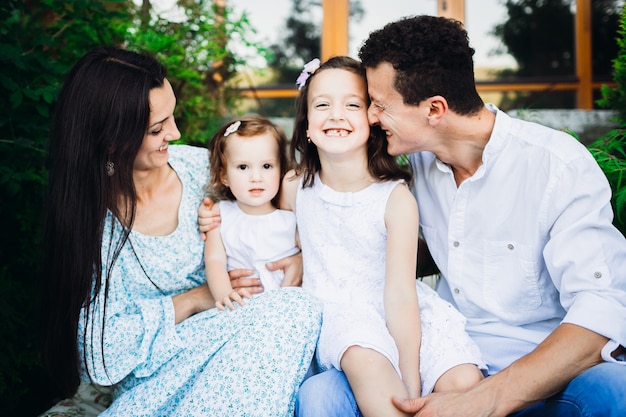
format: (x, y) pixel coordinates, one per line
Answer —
(372, 115)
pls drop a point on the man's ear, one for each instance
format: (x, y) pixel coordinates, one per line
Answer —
(438, 107)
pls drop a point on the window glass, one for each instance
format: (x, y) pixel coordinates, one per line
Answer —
(521, 42)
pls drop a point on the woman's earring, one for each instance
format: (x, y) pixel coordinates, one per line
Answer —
(308, 140)
(110, 167)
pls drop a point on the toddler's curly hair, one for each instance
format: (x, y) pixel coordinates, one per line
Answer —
(249, 126)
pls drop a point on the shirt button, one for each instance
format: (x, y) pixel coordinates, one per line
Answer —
(510, 246)
(598, 275)
(456, 244)
(456, 291)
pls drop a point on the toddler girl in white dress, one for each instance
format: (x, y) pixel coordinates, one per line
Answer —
(247, 159)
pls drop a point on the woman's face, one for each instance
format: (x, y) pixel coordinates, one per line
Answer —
(161, 129)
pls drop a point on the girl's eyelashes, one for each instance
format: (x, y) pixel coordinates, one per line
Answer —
(351, 106)
(243, 167)
(156, 132)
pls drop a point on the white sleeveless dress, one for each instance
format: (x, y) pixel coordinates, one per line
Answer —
(251, 241)
(343, 238)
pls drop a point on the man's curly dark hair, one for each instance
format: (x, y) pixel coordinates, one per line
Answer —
(431, 56)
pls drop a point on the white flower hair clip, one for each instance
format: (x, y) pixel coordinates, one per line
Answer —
(232, 128)
(309, 68)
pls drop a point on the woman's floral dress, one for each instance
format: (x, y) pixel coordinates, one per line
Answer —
(247, 362)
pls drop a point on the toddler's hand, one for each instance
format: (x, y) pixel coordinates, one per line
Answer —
(238, 296)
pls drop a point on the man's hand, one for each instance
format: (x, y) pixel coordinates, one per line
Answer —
(207, 218)
(408, 405)
(530, 379)
(292, 266)
(245, 279)
(447, 404)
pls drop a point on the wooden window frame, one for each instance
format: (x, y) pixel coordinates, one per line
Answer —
(335, 42)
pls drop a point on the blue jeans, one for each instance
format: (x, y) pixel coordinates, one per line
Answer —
(598, 392)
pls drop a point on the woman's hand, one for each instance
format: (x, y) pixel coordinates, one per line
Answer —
(190, 302)
(292, 266)
(244, 278)
(207, 218)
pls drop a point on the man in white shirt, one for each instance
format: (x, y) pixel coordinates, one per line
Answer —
(517, 217)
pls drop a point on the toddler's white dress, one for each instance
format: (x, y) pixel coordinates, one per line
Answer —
(343, 238)
(251, 241)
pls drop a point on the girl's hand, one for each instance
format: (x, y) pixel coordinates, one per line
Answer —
(207, 218)
(236, 296)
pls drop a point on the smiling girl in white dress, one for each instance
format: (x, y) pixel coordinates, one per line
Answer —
(358, 228)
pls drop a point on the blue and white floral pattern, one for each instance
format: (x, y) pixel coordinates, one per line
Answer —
(246, 362)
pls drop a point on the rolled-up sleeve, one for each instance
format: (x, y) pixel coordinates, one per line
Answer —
(585, 254)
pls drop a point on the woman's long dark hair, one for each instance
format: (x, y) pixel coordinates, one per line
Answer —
(381, 165)
(100, 117)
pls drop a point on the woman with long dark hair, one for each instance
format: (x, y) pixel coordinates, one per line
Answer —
(125, 301)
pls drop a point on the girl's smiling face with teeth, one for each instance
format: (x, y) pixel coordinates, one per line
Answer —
(337, 109)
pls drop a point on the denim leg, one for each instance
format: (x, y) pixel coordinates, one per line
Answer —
(600, 391)
(326, 394)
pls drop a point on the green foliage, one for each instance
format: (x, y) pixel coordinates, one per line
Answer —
(610, 149)
(37, 47)
(39, 42)
(610, 152)
(200, 61)
(615, 97)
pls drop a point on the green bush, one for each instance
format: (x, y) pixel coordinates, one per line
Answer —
(610, 153)
(610, 149)
(39, 42)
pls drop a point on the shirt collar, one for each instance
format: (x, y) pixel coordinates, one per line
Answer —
(495, 143)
